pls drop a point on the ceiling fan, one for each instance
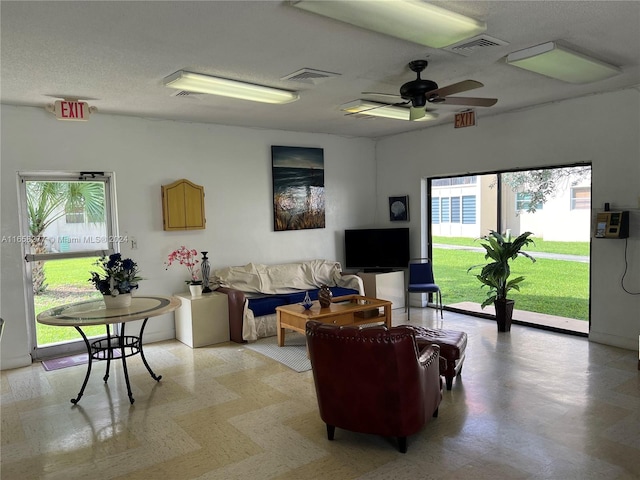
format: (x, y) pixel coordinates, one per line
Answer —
(419, 92)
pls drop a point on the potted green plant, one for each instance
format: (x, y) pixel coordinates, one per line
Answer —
(500, 250)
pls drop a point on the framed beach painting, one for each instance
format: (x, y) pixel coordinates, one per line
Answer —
(298, 188)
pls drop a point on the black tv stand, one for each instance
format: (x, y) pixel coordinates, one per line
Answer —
(378, 270)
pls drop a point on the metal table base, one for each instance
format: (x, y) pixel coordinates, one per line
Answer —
(104, 349)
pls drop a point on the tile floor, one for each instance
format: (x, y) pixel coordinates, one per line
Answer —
(531, 404)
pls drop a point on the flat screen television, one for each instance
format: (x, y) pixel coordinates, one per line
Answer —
(376, 249)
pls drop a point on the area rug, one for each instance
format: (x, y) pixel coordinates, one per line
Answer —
(293, 354)
(70, 361)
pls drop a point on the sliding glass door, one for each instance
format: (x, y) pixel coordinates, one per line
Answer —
(553, 203)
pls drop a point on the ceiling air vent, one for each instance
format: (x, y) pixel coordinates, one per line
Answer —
(309, 75)
(469, 47)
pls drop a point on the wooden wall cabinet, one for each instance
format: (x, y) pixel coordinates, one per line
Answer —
(183, 206)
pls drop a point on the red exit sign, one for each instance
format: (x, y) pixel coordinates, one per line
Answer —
(72, 110)
(465, 119)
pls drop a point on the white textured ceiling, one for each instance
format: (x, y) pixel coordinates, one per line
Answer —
(115, 54)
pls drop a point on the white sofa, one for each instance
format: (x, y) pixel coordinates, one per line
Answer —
(255, 290)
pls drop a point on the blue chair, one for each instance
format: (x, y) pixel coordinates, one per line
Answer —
(421, 281)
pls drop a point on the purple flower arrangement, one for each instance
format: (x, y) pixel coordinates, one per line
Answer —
(118, 275)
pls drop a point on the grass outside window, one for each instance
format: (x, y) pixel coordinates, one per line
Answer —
(68, 282)
(564, 248)
(552, 287)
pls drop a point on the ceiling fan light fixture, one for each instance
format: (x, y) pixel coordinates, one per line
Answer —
(384, 110)
(417, 113)
(411, 20)
(559, 62)
(197, 82)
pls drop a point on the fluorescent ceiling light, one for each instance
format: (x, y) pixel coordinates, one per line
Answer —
(559, 62)
(376, 109)
(411, 20)
(196, 82)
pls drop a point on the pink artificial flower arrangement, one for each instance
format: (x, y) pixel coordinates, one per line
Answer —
(186, 257)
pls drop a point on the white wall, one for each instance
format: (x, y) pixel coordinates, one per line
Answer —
(234, 166)
(601, 129)
(555, 221)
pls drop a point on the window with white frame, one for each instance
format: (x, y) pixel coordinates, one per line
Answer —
(580, 198)
(447, 182)
(74, 215)
(469, 209)
(523, 202)
(455, 209)
(435, 210)
(444, 209)
(448, 210)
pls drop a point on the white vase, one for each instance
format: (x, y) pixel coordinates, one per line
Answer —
(119, 301)
(196, 290)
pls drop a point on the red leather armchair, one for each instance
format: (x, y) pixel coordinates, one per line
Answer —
(373, 380)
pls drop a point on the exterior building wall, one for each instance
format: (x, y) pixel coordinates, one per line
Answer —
(488, 202)
(75, 237)
(458, 229)
(556, 220)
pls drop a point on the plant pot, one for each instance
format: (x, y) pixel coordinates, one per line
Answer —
(195, 289)
(119, 301)
(504, 313)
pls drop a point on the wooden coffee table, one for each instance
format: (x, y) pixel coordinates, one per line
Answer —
(346, 310)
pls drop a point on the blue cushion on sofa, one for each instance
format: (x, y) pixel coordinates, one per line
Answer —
(298, 297)
(340, 291)
(267, 304)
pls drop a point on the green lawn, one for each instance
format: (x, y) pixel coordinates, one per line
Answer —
(68, 281)
(568, 248)
(554, 287)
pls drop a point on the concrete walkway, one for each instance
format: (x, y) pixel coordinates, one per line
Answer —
(553, 256)
(552, 322)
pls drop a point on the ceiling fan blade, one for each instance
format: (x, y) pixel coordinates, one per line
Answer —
(455, 88)
(471, 101)
(416, 113)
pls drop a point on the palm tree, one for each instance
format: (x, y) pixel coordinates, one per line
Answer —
(49, 201)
